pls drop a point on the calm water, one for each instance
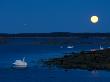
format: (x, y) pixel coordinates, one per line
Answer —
(36, 72)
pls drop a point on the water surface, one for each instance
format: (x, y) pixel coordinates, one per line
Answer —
(36, 72)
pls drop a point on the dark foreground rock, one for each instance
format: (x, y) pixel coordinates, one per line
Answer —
(90, 60)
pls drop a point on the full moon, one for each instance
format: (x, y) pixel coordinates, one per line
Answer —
(94, 19)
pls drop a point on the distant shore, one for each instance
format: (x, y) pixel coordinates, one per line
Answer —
(55, 38)
(54, 34)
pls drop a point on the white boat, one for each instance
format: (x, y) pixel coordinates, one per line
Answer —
(101, 48)
(20, 63)
(70, 46)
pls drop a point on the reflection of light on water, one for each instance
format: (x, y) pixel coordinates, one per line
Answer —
(61, 46)
(95, 75)
(94, 72)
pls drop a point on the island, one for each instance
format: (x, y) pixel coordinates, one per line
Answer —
(89, 60)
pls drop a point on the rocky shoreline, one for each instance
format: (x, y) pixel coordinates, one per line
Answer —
(89, 60)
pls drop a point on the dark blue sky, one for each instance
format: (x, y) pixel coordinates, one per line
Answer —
(19, 16)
